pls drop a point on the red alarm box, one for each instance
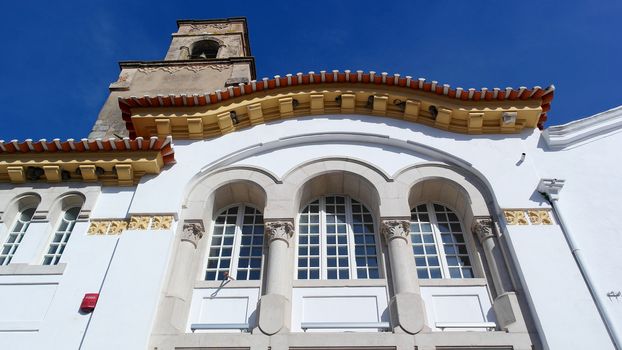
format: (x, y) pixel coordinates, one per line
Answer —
(88, 302)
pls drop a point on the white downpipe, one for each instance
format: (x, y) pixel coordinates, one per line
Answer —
(576, 252)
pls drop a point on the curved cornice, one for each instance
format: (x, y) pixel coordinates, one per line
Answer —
(561, 136)
(111, 162)
(417, 100)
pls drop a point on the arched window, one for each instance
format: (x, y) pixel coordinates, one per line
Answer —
(15, 235)
(61, 236)
(204, 49)
(236, 244)
(337, 240)
(438, 243)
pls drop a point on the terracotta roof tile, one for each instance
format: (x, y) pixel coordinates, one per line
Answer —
(335, 76)
(97, 145)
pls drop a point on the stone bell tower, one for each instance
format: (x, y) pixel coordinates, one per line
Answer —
(204, 56)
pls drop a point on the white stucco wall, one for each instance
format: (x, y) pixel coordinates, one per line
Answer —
(131, 290)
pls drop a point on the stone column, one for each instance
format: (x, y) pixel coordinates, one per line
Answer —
(407, 308)
(505, 305)
(274, 304)
(184, 53)
(174, 309)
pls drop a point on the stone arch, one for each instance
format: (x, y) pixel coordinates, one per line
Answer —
(208, 193)
(64, 202)
(459, 190)
(18, 204)
(318, 177)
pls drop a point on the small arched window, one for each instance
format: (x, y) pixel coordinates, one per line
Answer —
(61, 236)
(438, 241)
(15, 236)
(337, 240)
(204, 49)
(236, 245)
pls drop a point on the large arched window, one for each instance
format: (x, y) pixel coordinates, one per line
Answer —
(236, 245)
(337, 240)
(438, 243)
(61, 236)
(15, 236)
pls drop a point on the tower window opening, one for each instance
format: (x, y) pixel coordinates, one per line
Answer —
(204, 49)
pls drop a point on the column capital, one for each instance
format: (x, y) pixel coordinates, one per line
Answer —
(193, 231)
(279, 230)
(482, 227)
(392, 228)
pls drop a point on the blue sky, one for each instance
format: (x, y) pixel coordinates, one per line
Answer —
(59, 57)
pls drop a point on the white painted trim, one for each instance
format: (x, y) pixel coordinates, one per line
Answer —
(25, 269)
(561, 136)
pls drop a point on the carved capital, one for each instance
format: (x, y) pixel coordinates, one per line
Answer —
(395, 229)
(279, 230)
(192, 231)
(482, 227)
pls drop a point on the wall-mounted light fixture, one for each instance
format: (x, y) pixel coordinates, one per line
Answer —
(509, 118)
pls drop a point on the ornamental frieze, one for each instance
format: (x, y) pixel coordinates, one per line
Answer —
(194, 68)
(202, 28)
(528, 216)
(142, 222)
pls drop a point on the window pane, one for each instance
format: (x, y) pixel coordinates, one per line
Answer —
(15, 235)
(345, 237)
(61, 236)
(224, 257)
(423, 241)
(364, 242)
(454, 245)
(309, 242)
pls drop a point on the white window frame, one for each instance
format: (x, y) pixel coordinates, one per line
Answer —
(20, 236)
(440, 247)
(323, 256)
(237, 244)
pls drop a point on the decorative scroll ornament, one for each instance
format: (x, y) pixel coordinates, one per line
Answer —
(395, 229)
(482, 227)
(193, 231)
(528, 216)
(515, 217)
(539, 217)
(279, 230)
(116, 227)
(139, 222)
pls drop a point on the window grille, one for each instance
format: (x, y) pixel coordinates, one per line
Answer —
(337, 240)
(61, 236)
(438, 243)
(236, 245)
(15, 236)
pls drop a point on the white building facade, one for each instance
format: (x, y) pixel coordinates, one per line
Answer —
(212, 210)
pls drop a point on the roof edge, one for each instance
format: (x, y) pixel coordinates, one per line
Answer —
(565, 135)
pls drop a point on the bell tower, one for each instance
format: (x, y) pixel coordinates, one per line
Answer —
(204, 56)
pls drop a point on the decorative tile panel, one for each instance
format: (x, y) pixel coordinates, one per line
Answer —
(143, 222)
(528, 216)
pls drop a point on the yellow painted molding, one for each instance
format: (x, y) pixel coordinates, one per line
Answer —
(255, 114)
(110, 168)
(454, 115)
